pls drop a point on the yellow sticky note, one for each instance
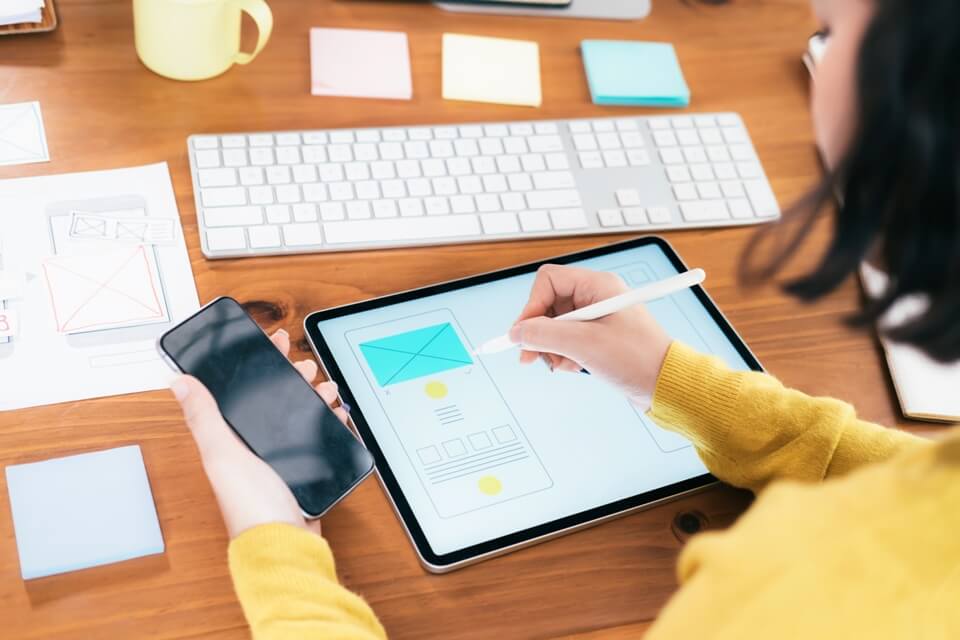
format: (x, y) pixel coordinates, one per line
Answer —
(497, 70)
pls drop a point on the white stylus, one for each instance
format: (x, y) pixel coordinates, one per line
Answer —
(646, 293)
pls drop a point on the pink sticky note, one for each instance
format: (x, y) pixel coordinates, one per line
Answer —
(360, 63)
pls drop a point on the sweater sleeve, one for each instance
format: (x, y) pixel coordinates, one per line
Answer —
(749, 430)
(287, 585)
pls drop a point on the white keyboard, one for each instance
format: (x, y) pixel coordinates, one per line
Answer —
(350, 189)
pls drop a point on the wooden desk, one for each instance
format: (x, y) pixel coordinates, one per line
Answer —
(103, 109)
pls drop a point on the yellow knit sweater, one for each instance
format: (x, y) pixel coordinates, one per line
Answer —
(874, 552)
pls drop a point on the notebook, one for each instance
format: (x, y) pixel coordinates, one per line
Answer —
(926, 389)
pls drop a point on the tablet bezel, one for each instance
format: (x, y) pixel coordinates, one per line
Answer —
(455, 559)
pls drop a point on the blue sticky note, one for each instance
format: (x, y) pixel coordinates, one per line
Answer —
(634, 73)
(82, 511)
(414, 354)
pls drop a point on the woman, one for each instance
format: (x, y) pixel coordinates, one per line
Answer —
(873, 550)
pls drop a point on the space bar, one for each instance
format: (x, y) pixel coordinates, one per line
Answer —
(429, 228)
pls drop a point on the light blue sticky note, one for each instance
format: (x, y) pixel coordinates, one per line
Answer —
(82, 511)
(634, 73)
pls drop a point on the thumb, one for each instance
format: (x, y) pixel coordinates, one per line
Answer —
(203, 416)
(547, 335)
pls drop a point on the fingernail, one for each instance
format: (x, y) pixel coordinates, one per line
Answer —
(180, 388)
(284, 332)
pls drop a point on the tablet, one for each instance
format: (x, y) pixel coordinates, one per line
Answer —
(481, 455)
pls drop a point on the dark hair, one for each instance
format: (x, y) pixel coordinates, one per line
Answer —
(899, 184)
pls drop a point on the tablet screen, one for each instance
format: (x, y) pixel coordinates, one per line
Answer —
(483, 447)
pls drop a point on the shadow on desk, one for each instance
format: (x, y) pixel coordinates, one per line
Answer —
(87, 581)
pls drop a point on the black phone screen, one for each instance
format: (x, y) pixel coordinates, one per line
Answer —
(269, 405)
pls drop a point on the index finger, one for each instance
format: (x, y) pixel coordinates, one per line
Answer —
(573, 286)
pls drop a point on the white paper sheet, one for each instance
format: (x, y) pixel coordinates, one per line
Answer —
(31, 17)
(22, 137)
(88, 311)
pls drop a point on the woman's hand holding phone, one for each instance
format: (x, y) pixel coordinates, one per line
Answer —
(248, 491)
(626, 349)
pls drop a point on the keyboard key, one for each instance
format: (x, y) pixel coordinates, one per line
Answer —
(728, 120)
(709, 190)
(419, 188)
(514, 145)
(635, 216)
(463, 204)
(288, 193)
(458, 166)
(261, 195)
(495, 183)
(545, 128)
(749, 170)
(659, 215)
(278, 174)
(445, 133)
(671, 155)
(591, 160)
(496, 223)
(368, 135)
(659, 124)
(223, 196)
(627, 124)
(264, 237)
(665, 138)
(444, 186)
(385, 209)
(557, 161)
(705, 121)
(735, 135)
(513, 202)
(205, 142)
(491, 147)
(355, 171)
(288, 155)
(678, 174)
(208, 159)
(340, 191)
(564, 219)
(718, 153)
(521, 129)
(332, 211)
(301, 235)
(732, 189)
(615, 159)
(393, 189)
(261, 157)
(762, 198)
(608, 141)
(250, 176)
(725, 171)
(585, 142)
(367, 190)
(404, 169)
(628, 197)
(304, 212)
(704, 211)
(315, 137)
(234, 158)
(496, 130)
(560, 199)
(287, 139)
(520, 182)
(631, 140)
(610, 218)
(685, 191)
(545, 144)
(694, 155)
(688, 137)
(304, 173)
(226, 239)
(401, 229)
(638, 157)
(488, 202)
(533, 162)
(232, 216)
(553, 180)
(466, 148)
(358, 210)
(341, 137)
(470, 184)
(330, 172)
(741, 152)
(394, 135)
(579, 126)
(314, 155)
(740, 208)
(278, 214)
(701, 172)
(603, 125)
(261, 140)
(534, 221)
(711, 136)
(315, 192)
(217, 177)
(437, 206)
(340, 153)
(410, 207)
(419, 133)
(365, 152)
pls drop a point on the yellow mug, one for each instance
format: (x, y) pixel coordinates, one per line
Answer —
(196, 39)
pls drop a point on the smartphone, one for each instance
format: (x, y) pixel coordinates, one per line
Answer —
(266, 401)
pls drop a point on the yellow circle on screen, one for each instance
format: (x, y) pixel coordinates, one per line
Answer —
(490, 485)
(436, 389)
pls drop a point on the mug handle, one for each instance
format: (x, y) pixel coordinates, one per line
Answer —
(263, 17)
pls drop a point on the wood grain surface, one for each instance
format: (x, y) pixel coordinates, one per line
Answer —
(103, 110)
